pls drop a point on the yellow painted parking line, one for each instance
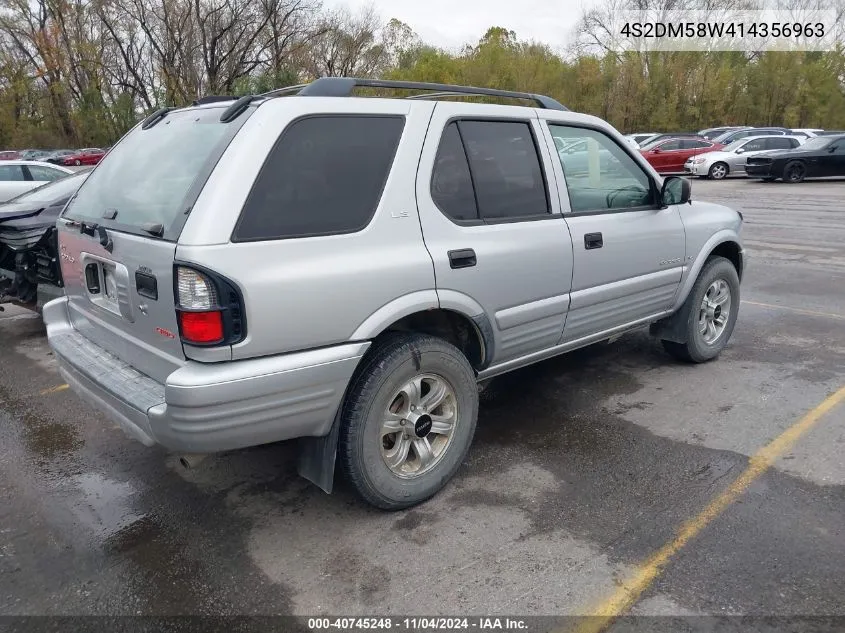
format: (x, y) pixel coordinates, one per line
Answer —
(57, 389)
(773, 306)
(629, 592)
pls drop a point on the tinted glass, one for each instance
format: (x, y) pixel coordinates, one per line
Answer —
(45, 174)
(324, 175)
(819, 142)
(776, 142)
(11, 172)
(148, 175)
(505, 169)
(756, 145)
(451, 183)
(670, 146)
(603, 175)
(692, 144)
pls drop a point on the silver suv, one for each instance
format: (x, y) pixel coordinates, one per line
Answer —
(346, 271)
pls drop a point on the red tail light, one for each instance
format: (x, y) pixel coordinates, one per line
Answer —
(201, 327)
(209, 308)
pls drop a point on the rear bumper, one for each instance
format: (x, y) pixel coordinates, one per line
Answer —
(204, 407)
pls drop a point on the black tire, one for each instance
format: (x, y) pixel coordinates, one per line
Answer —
(717, 173)
(77, 162)
(794, 172)
(392, 363)
(696, 349)
(768, 179)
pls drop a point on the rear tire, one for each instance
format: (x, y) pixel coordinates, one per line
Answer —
(77, 162)
(718, 171)
(408, 420)
(708, 329)
(768, 179)
(794, 172)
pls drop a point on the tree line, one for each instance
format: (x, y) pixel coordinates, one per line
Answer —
(81, 72)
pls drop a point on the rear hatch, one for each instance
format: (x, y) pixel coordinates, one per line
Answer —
(117, 237)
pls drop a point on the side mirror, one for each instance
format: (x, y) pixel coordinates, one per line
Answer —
(831, 149)
(656, 150)
(740, 151)
(675, 190)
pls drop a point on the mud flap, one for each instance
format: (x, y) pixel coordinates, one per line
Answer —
(317, 457)
(674, 328)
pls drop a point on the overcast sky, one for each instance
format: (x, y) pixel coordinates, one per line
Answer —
(452, 23)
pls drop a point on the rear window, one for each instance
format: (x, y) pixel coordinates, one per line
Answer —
(324, 176)
(153, 176)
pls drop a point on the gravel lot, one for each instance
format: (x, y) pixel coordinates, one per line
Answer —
(583, 467)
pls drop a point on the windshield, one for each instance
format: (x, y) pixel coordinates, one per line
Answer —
(46, 194)
(146, 177)
(734, 145)
(819, 142)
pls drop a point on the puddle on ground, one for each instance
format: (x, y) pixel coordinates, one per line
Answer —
(50, 439)
(105, 505)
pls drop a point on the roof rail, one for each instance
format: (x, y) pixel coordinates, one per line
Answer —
(343, 87)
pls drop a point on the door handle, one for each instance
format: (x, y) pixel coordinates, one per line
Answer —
(593, 240)
(464, 258)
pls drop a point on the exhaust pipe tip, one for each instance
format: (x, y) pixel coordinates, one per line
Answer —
(189, 462)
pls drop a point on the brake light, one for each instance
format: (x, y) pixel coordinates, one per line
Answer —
(209, 308)
(201, 327)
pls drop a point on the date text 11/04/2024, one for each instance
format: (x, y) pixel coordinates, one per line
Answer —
(418, 624)
(689, 30)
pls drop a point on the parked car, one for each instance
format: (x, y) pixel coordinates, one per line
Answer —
(714, 132)
(576, 157)
(641, 137)
(731, 160)
(87, 156)
(831, 132)
(10, 155)
(28, 251)
(33, 154)
(729, 137)
(817, 158)
(260, 314)
(806, 132)
(657, 138)
(57, 156)
(669, 156)
(18, 176)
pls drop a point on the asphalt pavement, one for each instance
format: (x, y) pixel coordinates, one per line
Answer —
(609, 471)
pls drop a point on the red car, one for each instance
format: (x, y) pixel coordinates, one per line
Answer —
(10, 155)
(669, 155)
(88, 156)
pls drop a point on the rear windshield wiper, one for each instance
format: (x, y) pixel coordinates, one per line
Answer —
(100, 231)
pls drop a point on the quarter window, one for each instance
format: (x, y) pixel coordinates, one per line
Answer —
(324, 176)
(600, 175)
(451, 182)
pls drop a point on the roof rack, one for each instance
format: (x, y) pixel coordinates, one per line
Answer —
(343, 87)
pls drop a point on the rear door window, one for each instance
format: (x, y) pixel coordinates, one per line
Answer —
(44, 174)
(324, 176)
(153, 176)
(505, 168)
(451, 182)
(11, 173)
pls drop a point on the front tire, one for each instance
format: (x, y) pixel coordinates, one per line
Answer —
(77, 162)
(713, 306)
(408, 420)
(718, 171)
